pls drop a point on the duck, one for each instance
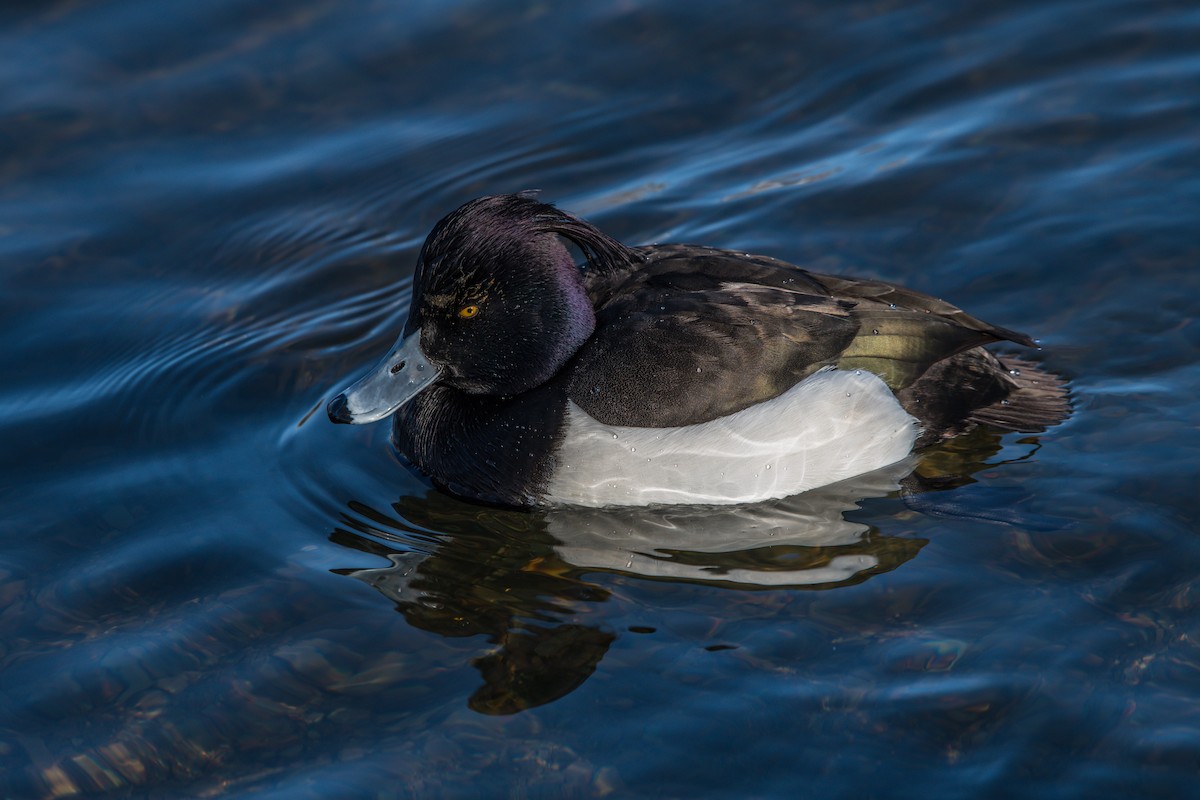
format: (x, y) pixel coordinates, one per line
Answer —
(670, 374)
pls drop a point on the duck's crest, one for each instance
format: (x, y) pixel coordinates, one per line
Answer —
(604, 254)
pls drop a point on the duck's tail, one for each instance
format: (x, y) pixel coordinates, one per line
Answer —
(1037, 399)
(978, 387)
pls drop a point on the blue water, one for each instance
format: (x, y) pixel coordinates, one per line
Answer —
(209, 215)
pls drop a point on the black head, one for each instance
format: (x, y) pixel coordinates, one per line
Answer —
(498, 299)
(498, 306)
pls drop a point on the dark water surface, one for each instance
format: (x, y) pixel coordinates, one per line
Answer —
(209, 214)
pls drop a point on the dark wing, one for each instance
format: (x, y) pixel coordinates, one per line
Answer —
(679, 344)
(903, 333)
(697, 333)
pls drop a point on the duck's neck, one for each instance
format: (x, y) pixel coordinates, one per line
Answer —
(578, 310)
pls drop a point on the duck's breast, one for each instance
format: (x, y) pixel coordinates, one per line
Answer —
(831, 426)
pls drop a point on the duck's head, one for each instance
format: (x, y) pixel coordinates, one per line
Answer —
(498, 306)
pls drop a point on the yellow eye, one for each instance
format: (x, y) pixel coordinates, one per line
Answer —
(466, 312)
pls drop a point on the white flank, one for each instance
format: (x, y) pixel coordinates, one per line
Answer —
(829, 427)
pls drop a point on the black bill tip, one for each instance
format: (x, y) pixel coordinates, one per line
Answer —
(337, 410)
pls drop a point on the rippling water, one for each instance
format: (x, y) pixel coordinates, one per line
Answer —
(208, 221)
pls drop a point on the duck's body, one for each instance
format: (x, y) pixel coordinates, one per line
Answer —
(671, 373)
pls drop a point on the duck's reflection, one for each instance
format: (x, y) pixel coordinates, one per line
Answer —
(487, 572)
(800, 542)
(521, 579)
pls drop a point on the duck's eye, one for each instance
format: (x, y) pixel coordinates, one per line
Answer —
(466, 312)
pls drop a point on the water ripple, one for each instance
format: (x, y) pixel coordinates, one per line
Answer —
(208, 223)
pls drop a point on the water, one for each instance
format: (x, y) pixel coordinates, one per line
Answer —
(208, 220)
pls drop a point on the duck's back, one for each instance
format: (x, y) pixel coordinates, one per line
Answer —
(695, 334)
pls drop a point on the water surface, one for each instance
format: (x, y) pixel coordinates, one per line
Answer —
(209, 217)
